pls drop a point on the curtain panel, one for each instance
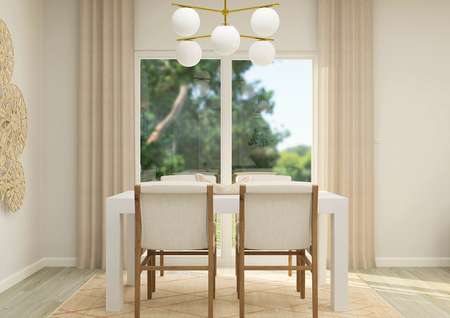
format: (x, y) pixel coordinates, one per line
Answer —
(345, 117)
(105, 118)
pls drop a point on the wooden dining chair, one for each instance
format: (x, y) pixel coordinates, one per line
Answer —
(252, 177)
(278, 219)
(197, 177)
(176, 218)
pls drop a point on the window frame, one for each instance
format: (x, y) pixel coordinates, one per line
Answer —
(226, 106)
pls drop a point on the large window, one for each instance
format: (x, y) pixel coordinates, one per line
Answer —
(272, 118)
(182, 114)
(180, 118)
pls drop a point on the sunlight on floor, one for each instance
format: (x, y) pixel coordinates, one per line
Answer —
(415, 292)
(408, 286)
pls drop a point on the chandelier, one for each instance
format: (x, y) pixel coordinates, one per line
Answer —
(225, 38)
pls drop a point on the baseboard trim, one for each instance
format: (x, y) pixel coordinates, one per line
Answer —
(20, 275)
(29, 270)
(413, 261)
(60, 261)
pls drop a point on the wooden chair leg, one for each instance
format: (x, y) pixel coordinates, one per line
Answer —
(137, 287)
(211, 279)
(215, 273)
(315, 291)
(154, 272)
(298, 272)
(237, 270)
(215, 262)
(236, 260)
(241, 285)
(149, 276)
(161, 262)
(302, 274)
(290, 265)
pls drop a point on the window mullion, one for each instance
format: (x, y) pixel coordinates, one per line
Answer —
(226, 257)
(226, 120)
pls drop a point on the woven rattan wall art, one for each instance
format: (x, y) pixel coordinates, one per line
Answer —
(13, 127)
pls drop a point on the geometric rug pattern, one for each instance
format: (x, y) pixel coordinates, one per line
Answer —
(184, 295)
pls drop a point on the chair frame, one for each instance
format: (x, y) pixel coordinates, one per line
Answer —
(149, 262)
(303, 263)
(269, 173)
(161, 253)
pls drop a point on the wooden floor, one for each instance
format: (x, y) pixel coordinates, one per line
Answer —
(41, 293)
(415, 292)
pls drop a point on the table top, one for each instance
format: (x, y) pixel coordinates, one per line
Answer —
(127, 195)
(329, 203)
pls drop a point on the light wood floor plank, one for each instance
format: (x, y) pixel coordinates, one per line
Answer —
(415, 292)
(41, 293)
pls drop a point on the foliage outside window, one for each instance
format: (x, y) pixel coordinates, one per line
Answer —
(180, 118)
(258, 146)
(180, 122)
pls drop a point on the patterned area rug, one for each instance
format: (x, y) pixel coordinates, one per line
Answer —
(184, 295)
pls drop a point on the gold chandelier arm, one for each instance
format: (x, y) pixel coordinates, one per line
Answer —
(197, 7)
(205, 36)
(225, 12)
(256, 38)
(190, 38)
(269, 5)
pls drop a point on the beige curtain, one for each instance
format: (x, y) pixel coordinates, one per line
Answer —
(105, 118)
(345, 116)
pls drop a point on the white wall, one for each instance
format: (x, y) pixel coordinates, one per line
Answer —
(19, 232)
(412, 128)
(58, 216)
(297, 28)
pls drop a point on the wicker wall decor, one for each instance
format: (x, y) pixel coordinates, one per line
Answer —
(13, 127)
(6, 55)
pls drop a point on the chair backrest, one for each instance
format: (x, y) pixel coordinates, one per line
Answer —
(278, 216)
(189, 177)
(173, 216)
(250, 178)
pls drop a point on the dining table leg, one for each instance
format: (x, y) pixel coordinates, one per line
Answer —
(322, 248)
(339, 257)
(129, 265)
(114, 278)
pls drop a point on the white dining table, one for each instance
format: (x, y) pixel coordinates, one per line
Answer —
(121, 206)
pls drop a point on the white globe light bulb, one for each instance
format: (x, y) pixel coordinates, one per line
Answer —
(189, 53)
(186, 21)
(262, 53)
(226, 39)
(265, 21)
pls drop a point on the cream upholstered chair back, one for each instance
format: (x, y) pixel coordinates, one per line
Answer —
(178, 178)
(199, 177)
(249, 178)
(278, 216)
(174, 215)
